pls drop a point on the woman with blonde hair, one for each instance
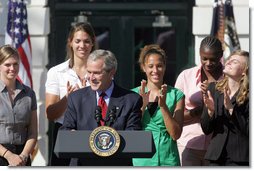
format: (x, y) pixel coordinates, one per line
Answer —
(226, 114)
(18, 112)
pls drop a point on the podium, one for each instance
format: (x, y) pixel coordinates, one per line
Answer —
(133, 144)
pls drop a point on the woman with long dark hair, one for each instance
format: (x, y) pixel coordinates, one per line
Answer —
(67, 77)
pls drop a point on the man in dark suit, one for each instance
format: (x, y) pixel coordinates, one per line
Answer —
(79, 115)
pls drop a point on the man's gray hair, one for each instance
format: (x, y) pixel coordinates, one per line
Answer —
(110, 61)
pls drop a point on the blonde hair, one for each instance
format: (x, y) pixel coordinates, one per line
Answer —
(243, 93)
(6, 52)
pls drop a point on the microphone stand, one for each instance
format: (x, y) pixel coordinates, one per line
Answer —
(112, 116)
(98, 116)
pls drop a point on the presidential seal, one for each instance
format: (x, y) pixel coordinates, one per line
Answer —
(104, 141)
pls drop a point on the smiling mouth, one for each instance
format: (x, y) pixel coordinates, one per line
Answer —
(94, 83)
(210, 67)
(155, 77)
(83, 52)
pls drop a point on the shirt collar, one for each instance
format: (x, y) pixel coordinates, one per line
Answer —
(19, 85)
(108, 92)
(198, 74)
(63, 67)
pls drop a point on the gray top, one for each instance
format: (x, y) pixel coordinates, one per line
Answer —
(15, 119)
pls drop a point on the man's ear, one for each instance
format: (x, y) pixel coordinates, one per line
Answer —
(112, 73)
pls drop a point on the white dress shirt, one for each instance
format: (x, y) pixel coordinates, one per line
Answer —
(57, 78)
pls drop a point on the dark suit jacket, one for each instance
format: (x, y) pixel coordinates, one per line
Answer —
(230, 134)
(80, 112)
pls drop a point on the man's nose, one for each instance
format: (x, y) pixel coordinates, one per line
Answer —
(91, 76)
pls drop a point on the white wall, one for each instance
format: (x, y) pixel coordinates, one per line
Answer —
(38, 25)
(202, 22)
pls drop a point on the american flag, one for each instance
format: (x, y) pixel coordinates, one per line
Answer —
(18, 36)
(223, 26)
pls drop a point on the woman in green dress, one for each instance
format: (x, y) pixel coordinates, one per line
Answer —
(162, 109)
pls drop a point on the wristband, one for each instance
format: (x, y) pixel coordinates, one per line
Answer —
(5, 152)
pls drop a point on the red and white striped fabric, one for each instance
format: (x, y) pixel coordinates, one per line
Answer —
(18, 36)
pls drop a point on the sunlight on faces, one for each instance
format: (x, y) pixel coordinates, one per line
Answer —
(81, 44)
(154, 68)
(10, 68)
(235, 66)
(99, 78)
(208, 59)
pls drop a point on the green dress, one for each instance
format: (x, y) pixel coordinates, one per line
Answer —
(166, 148)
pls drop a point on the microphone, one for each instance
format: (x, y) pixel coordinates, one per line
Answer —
(97, 115)
(112, 115)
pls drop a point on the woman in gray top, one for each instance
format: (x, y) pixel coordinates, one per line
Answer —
(18, 115)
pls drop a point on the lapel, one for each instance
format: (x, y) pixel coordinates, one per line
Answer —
(116, 101)
(91, 106)
(218, 102)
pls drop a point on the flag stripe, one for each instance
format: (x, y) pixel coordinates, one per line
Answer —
(23, 75)
(26, 47)
(25, 63)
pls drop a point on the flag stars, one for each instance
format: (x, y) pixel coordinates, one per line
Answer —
(17, 20)
(24, 22)
(11, 31)
(18, 10)
(16, 30)
(24, 31)
(12, 10)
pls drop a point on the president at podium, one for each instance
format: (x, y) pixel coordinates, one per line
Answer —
(104, 103)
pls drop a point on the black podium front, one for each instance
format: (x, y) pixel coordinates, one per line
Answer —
(75, 144)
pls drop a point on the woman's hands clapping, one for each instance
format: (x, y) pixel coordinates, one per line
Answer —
(162, 96)
(72, 88)
(209, 103)
(143, 94)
